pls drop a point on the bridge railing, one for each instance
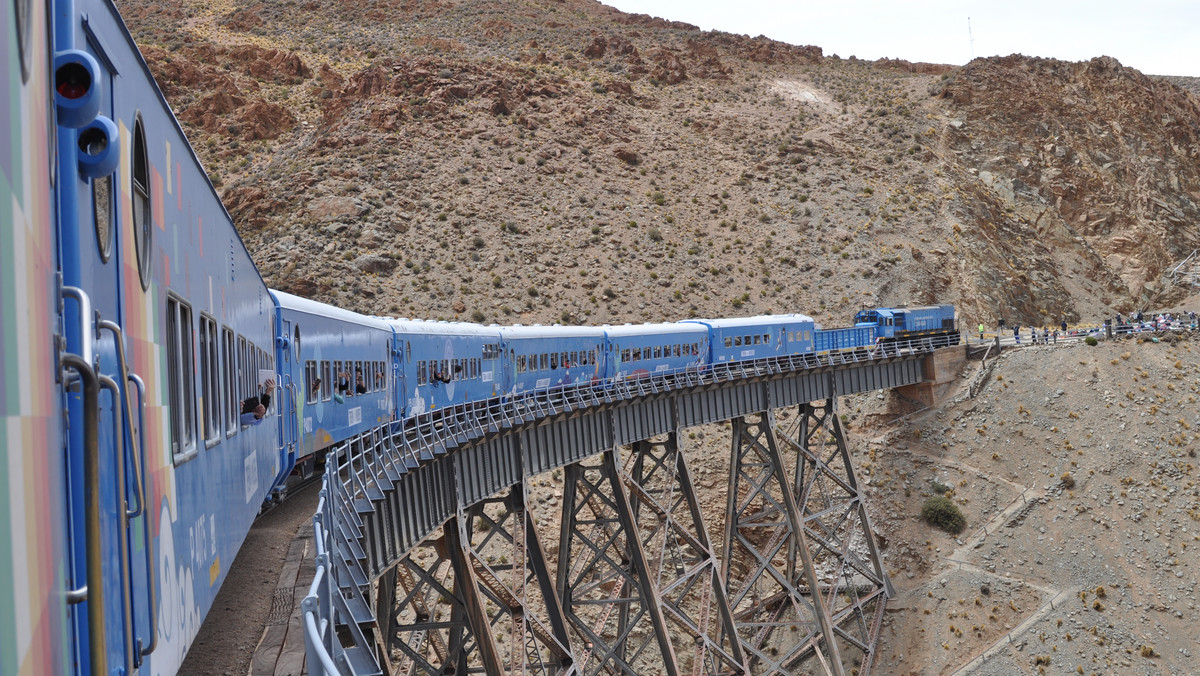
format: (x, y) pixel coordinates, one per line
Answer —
(358, 471)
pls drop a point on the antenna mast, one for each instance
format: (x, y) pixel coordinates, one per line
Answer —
(971, 38)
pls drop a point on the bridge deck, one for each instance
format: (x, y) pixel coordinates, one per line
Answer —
(280, 650)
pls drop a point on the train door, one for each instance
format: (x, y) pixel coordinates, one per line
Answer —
(396, 382)
(290, 385)
(105, 452)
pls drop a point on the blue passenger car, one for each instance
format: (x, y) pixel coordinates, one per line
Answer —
(440, 364)
(545, 357)
(335, 375)
(750, 338)
(639, 350)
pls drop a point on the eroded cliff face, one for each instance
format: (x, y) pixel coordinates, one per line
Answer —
(1095, 165)
(561, 161)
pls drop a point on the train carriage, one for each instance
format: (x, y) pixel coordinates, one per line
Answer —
(547, 357)
(640, 350)
(765, 336)
(444, 364)
(335, 375)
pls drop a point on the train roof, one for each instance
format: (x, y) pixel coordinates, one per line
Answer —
(555, 331)
(760, 320)
(653, 329)
(442, 328)
(297, 304)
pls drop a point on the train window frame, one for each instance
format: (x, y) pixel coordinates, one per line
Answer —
(24, 20)
(229, 373)
(520, 363)
(210, 380)
(296, 343)
(181, 380)
(103, 185)
(728, 341)
(326, 380)
(311, 375)
(143, 227)
(658, 351)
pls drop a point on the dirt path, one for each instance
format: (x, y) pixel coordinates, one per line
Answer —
(231, 631)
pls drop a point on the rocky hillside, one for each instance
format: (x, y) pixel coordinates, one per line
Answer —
(558, 160)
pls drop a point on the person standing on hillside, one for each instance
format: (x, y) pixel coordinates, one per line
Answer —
(981, 330)
(1017, 333)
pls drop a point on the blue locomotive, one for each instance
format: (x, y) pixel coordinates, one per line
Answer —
(906, 323)
(156, 393)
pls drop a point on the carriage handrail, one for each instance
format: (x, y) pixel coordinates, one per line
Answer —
(151, 563)
(93, 591)
(127, 632)
(86, 342)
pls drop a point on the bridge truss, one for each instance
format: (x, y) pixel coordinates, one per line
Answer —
(430, 560)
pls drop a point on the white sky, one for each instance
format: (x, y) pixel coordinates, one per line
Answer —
(1158, 37)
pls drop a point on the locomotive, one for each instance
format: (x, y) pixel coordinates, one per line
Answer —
(140, 341)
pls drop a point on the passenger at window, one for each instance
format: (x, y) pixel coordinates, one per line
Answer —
(315, 390)
(360, 387)
(254, 409)
(343, 384)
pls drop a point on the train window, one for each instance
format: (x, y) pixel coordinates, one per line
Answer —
(242, 366)
(766, 339)
(210, 379)
(737, 341)
(544, 360)
(421, 372)
(296, 344)
(102, 212)
(143, 230)
(757, 339)
(626, 355)
(337, 374)
(180, 380)
(658, 352)
(312, 382)
(326, 380)
(553, 361)
(728, 341)
(520, 363)
(360, 381)
(229, 355)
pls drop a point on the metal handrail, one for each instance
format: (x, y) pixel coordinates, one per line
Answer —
(93, 593)
(126, 409)
(151, 562)
(108, 383)
(86, 348)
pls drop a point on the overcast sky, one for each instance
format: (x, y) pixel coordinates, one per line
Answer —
(1158, 37)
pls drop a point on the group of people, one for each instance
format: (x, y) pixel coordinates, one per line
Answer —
(1046, 336)
(1137, 321)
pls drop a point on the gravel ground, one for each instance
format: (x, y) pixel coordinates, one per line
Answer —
(225, 645)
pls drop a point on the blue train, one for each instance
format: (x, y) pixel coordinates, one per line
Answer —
(156, 393)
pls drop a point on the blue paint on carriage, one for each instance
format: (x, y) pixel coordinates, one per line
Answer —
(332, 341)
(640, 350)
(546, 357)
(750, 338)
(441, 364)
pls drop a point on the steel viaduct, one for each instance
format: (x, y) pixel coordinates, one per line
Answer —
(429, 560)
